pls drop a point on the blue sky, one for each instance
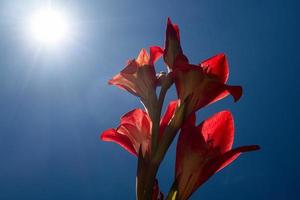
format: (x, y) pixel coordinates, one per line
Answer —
(55, 102)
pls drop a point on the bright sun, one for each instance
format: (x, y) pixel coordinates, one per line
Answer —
(49, 27)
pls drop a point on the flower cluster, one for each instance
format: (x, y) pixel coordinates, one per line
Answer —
(202, 150)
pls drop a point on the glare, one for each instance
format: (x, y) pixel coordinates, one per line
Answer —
(49, 27)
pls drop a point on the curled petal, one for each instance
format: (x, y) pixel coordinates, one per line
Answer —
(235, 91)
(111, 135)
(155, 53)
(224, 90)
(133, 133)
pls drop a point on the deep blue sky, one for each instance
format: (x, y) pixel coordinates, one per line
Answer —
(55, 103)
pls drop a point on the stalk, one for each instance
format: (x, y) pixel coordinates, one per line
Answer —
(148, 167)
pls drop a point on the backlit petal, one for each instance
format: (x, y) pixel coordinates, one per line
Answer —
(217, 66)
(202, 89)
(172, 44)
(111, 135)
(167, 116)
(191, 157)
(133, 132)
(231, 155)
(218, 131)
(155, 53)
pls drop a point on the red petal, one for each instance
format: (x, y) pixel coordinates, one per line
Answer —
(231, 155)
(219, 91)
(191, 157)
(218, 131)
(123, 83)
(172, 30)
(192, 82)
(155, 53)
(167, 116)
(134, 131)
(138, 77)
(172, 44)
(182, 62)
(131, 67)
(143, 58)
(139, 119)
(221, 161)
(235, 91)
(204, 150)
(204, 85)
(139, 137)
(137, 125)
(112, 135)
(217, 66)
(189, 144)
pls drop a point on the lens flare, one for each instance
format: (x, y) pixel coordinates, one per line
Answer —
(49, 26)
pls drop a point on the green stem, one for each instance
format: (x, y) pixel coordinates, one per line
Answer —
(155, 129)
(169, 134)
(156, 118)
(147, 172)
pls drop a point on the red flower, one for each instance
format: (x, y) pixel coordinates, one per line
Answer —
(139, 77)
(203, 84)
(204, 150)
(134, 130)
(172, 44)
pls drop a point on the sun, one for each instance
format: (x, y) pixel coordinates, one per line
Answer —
(49, 26)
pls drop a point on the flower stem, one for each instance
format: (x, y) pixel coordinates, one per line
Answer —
(157, 113)
(145, 179)
(147, 169)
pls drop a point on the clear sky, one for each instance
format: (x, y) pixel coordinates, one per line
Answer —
(54, 102)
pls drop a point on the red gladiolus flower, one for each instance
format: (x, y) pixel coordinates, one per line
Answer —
(134, 130)
(139, 77)
(203, 84)
(172, 44)
(204, 150)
